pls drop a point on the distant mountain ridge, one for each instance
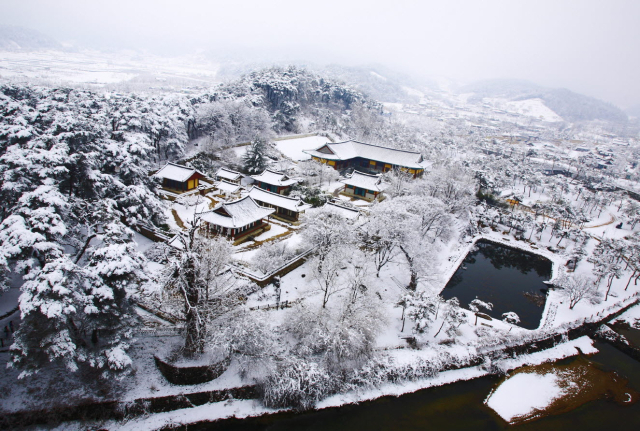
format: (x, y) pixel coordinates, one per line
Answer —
(571, 106)
(13, 38)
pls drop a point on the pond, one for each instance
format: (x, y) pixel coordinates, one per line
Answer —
(511, 279)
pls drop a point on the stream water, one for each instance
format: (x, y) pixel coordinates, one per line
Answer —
(457, 406)
(511, 279)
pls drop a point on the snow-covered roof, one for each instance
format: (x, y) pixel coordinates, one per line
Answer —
(228, 174)
(365, 181)
(351, 149)
(348, 213)
(274, 178)
(228, 187)
(236, 214)
(174, 172)
(291, 204)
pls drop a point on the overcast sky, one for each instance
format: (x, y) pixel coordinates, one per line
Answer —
(589, 46)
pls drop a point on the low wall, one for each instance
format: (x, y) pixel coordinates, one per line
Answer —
(191, 375)
(114, 410)
(286, 268)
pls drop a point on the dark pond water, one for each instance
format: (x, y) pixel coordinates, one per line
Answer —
(458, 406)
(511, 279)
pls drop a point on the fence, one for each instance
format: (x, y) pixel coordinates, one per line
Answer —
(285, 268)
(152, 233)
(159, 332)
(280, 306)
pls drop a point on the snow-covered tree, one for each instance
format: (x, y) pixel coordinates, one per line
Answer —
(576, 288)
(453, 317)
(422, 307)
(325, 270)
(255, 159)
(511, 317)
(77, 316)
(476, 305)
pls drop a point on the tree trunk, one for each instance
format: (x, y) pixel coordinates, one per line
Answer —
(413, 283)
(194, 326)
(443, 322)
(629, 282)
(609, 283)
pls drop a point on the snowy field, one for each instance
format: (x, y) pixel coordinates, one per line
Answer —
(534, 108)
(292, 148)
(99, 69)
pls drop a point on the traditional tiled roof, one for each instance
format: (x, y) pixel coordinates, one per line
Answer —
(174, 172)
(351, 149)
(365, 181)
(291, 204)
(236, 214)
(274, 178)
(228, 174)
(227, 187)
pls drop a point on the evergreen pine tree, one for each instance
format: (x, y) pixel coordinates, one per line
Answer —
(255, 159)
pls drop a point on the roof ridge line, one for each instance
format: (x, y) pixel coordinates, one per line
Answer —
(372, 145)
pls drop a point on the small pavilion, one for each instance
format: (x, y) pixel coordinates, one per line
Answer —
(363, 186)
(178, 178)
(273, 181)
(237, 219)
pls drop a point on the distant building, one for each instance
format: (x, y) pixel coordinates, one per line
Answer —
(224, 174)
(286, 207)
(273, 181)
(178, 178)
(363, 186)
(368, 157)
(236, 219)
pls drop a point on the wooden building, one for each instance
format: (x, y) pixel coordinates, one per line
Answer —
(178, 178)
(236, 219)
(227, 189)
(224, 174)
(368, 158)
(286, 207)
(363, 186)
(273, 181)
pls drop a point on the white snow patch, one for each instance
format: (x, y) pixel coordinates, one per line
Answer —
(524, 393)
(377, 75)
(534, 108)
(240, 151)
(274, 231)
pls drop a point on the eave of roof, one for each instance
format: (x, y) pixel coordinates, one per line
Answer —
(286, 202)
(352, 149)
(175, 172)
(241, 213)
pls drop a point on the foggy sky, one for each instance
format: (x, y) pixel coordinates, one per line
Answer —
(588, 46)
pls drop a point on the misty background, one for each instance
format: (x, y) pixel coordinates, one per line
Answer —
(589, 47)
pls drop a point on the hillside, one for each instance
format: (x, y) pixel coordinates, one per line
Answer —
(570, 106)
(14, 38)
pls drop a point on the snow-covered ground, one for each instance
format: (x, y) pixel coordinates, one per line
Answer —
(275, 230)
(534, 108)
(99, 68)
(241, 150)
